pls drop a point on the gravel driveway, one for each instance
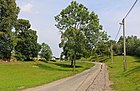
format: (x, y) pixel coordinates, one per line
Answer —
(94, 79)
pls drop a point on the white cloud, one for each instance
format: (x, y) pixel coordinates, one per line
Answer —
(27, 8)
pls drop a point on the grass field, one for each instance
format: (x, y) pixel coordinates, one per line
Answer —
(125, 81)
(20, 75)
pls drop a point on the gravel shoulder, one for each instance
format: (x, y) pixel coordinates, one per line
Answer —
(94, 79)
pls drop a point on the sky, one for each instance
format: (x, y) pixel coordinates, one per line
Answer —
(41, 14)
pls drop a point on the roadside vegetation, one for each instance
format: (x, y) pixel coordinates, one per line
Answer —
(21, 75)
(125, 81)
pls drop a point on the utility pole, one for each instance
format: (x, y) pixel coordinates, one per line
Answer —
(123, 23)
(124, 60)
(112, 53)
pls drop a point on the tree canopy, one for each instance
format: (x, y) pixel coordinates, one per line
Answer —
(8, 16)
(46, 52)
(27, 46)
(80, 30)
(16, 37)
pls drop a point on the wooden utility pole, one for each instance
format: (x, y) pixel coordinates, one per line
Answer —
(112, 53)
(124, 60)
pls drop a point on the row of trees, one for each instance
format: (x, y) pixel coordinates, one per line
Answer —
(16, 37)
(132, 46)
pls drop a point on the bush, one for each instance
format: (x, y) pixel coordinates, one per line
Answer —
(92, 58)
(83, 59)
(19, 56)
(102, 58)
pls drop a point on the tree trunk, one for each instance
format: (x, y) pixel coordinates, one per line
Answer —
(72, 62)
(74, 65)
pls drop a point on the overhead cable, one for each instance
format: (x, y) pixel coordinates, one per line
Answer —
(131, 9)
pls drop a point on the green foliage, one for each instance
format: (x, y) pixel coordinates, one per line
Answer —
(27, 46)
(46, 52)
(8, 17)
(23, 40)
(19, 56)
(72, 43)
(5, 46)
(20, 75)
(132, 46)
(80, 31)
(92, 58)
(138, 51)
(125, 81)
(101, 58)
(83, 59)
(103, 48)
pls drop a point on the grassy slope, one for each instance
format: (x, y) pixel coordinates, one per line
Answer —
(125, 81)
(19, 75)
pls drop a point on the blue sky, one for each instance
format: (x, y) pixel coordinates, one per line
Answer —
(41, 15)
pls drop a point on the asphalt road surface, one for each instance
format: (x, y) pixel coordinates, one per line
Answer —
(94, 79)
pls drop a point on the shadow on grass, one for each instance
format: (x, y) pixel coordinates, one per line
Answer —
(137, 59)
(45, 67)
(64, 67)
(134, 70)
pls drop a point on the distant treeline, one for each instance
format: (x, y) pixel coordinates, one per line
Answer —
(132, 46)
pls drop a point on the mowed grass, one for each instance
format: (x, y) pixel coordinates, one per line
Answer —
(125, 81)
(21, 75)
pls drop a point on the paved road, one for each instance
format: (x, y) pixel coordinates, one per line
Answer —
(94, 79)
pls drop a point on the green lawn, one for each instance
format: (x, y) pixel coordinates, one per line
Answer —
(20, 75)
(125, 81)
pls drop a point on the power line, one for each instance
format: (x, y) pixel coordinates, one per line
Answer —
(131, 8)
(118, 32)
(125, 17)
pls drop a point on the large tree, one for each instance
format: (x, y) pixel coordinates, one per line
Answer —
(77, 20)
(8, 16)
(27, 46)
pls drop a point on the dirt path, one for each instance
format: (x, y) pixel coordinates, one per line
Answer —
(94, 79)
